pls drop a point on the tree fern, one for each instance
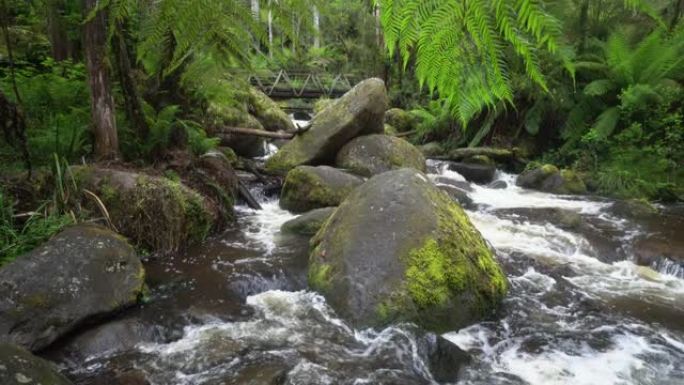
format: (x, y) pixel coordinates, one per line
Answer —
(461, 46)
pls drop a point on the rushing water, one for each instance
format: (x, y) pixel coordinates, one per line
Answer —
(579, 311)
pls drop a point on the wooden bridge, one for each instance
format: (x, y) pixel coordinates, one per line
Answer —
(284, 84)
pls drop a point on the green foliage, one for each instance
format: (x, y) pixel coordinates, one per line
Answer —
(461, 46)
(56, 107)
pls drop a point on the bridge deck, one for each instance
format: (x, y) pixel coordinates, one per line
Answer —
(305, 85)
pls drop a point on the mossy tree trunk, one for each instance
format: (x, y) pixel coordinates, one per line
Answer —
(106, 145)
(132, 101)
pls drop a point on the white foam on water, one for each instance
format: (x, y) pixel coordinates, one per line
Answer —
(261, 226)
(585, 366)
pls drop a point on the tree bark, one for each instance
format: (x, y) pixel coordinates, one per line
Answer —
(317, 27)
(61, 46)
(132, 101)
(106, 143)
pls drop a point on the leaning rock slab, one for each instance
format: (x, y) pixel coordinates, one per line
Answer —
(269, 114)
(307, 188)
(19, 367)
(359, 112)
(83, 272)
(308, 223)
(374, 154)
(399, 249)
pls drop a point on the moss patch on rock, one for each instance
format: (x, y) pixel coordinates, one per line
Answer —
(400, 119)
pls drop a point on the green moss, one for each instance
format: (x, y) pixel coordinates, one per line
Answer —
(572, 183)
(455, 265)
(304, 190)
(549, 169)
(320, 275)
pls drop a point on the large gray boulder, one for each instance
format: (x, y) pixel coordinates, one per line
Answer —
(476, 173)
(307, 188)
(19, 367)
(374, 154)
(359, 112)
(84, 272)
(399, 249)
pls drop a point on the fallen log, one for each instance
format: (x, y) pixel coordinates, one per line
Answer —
(405, 134)
(248, 197)
(500, 154)
(224, 131)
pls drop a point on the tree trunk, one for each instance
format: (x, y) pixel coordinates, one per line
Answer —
(106, 143)
(255, 9)
(61, 47)
(270, 30)
(317, 27)
(132, 101)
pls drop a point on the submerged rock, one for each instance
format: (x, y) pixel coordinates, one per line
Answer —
(307, 188)
(374, 154)
(498, 185)
(308, 223)
(156, 213)
(268, 113)
(398, 249)
(83, 272)
(549, 179)
(359, 112)
(20, 367)
(476, 173)
(400, 119)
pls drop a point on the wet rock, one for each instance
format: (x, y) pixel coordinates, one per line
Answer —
(20, 367)
(321, 104)
(480, 159)
(307, 188)
(268, 113)
(649, 249)
(459, 195)
(374, 154)
(400, 119)
(634, 208)
(308, 223)
(109, 338)
(445, 359)
(156, 213)
(431, 149)
(476, 173)
(359, 112)
(214, 176)
(400, 249)
(548, 178)
(84, 272)
(498, 185)
(463, 185)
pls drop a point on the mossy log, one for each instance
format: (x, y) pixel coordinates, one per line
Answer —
(498, 154)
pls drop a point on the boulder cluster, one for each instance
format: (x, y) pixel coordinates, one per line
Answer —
(388, 245)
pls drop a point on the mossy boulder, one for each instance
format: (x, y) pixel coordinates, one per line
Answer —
(399, 249)
(321, 104)
(549, 178)
(390, 130)
(84, 272)
(214, 176)
(634, 209)
(431, 149)
(400, 119)
(268, 113)
(374, 154)
(307, 188)
(308, 223)
(19, 367)
(156, 213)
(359, 112)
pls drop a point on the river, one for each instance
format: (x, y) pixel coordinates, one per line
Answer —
(236, 310)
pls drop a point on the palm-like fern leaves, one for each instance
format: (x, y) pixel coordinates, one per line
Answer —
(461, 46)
(626, 77)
